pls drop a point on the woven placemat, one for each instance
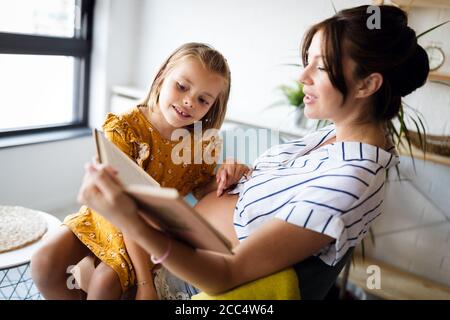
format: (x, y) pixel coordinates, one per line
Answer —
(20, 227)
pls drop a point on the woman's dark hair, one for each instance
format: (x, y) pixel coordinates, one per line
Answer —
(391, 50)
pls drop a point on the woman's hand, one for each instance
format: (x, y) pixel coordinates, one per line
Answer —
(229, 173)
(102, 191)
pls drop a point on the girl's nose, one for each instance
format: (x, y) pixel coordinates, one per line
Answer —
(187, 102)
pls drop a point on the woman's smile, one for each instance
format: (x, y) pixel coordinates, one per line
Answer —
(308, 99)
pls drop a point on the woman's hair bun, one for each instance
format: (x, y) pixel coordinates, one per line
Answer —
(411, 74)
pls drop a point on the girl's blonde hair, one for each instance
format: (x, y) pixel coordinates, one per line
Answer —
(213, 61)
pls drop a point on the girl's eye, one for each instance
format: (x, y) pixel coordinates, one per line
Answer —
(181, 87)
(203, 101)
(321, 68)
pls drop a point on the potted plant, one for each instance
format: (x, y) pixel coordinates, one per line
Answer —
(294, 96)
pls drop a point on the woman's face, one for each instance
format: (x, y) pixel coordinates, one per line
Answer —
(322, 100)
(188, 92)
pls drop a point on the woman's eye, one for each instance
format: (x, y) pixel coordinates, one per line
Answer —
(321, 68)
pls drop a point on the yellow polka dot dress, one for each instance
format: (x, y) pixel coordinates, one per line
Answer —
(136, 137)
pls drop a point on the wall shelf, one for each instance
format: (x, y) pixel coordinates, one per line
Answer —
(418, 154)
(396, 284)
(441, 4)
(441, 77)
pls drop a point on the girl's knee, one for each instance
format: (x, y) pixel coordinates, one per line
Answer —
(104, 284)
(41, 272)
(49, 263)
(44, 265)
(105, 273)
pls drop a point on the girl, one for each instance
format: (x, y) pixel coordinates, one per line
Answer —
(192, 86)
(313, 198)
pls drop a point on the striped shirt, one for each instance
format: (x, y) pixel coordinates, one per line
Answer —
(337, 189)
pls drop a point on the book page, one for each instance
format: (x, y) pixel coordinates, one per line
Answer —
(128, 171)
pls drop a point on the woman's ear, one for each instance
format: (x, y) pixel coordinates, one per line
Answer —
(369, 85)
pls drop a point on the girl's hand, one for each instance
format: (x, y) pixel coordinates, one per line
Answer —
(102, 191)
(229, 173)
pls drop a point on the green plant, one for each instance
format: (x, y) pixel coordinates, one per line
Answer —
(294, 94)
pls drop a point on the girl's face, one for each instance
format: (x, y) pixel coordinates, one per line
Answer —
(188, 92)
(322, 100)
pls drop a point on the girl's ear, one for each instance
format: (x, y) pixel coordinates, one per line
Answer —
(369, 85)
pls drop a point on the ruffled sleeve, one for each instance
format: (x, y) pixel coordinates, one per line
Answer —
(118, 130)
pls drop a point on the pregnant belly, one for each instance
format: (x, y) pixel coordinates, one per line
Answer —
(218, 211)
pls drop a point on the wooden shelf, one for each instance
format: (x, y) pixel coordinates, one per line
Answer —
(396, 284)
(418, 154)
(441, 4)
(436, 76)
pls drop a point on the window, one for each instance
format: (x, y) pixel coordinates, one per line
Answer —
(45, 50)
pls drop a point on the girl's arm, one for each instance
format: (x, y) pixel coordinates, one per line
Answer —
(254, 258)
(201, 191)
(228, 174)
(142, 268)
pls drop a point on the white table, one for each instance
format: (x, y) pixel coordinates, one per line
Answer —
(15, 280)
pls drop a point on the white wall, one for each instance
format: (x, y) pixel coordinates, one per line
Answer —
(413, 233)
(116, 30)
(255, 36)
(44, 176)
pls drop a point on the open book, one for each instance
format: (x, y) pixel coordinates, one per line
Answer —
(163, 208)
(129, 172)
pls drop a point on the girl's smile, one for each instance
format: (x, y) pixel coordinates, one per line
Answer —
(181, 113)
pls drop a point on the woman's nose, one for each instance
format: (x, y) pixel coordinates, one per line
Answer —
(304, 77)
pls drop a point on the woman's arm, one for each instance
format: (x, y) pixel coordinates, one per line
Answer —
(142, 268)
(274, 247)
(254, 258)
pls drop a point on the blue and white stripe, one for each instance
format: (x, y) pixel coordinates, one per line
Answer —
(337, 189)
